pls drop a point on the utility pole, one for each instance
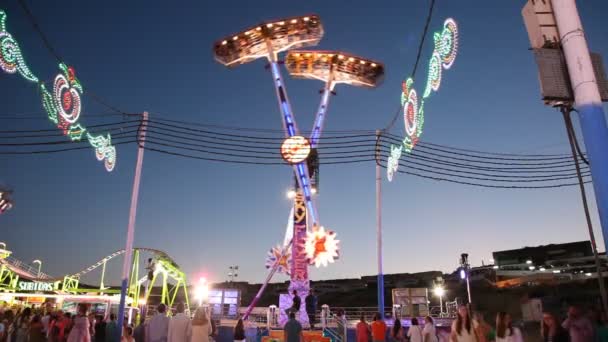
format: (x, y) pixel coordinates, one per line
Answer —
(380, 279)
(141, 136)
(587, 99)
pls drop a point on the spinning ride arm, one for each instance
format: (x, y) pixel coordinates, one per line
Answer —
(268, 277)
(291, 129)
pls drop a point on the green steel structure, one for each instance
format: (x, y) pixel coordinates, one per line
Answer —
(163, 272)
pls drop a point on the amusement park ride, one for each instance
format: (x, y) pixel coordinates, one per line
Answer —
(306, 241)
(21, 280)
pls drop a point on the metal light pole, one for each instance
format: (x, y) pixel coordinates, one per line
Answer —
(439, 292)
(587, 99)
(465, 273)
(39, 267)
(379, 229)
(131, 227)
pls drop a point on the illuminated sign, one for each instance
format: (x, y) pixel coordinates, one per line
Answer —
(444, 54)
(37, 286)
(295, 149)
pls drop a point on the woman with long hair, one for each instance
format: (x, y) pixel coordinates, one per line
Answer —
(551, 330)
(397, 331)
(80, 331)
(414, 333)
(429, 333)
(22, 325)
(201, 326)
(505, 332)
(462, 327)
(239, 331)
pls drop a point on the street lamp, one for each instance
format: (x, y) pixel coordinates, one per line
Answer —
(3, 245)
(39, 266)
(202, 291)
(439, 291)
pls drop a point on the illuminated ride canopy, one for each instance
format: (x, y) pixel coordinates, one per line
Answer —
(444, 54)
(335, 67)
(266, 40)
(63, 105)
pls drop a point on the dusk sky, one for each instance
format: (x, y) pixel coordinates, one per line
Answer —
(156, 56)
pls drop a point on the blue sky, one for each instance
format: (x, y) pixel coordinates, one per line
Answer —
(156, 56)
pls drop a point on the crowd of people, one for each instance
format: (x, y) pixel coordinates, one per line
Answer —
(28, 325)
(469, 327)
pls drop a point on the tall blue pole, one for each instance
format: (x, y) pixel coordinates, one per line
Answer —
(587, 101)
(379, 235)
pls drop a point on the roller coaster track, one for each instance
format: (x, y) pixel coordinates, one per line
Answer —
(28, 271)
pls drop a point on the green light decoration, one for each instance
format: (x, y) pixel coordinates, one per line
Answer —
(103, 149)
(48, 104)
(75, 132)
(63, 106)
(444, 54)
(11, 58)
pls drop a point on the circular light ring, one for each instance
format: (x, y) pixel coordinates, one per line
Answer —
(9, 53)
(321, 247)
(295, 149)
(110, 155)
(449, 43)
(67, 100)
(274, 254)
(410, 113)
(99, 154)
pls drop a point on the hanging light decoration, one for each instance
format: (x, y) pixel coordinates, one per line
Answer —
(443, 56)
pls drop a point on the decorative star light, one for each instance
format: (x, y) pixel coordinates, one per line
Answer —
(321, 247)
(283, 257)
(444, 54)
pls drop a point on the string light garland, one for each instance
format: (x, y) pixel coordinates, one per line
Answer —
(63, 106)
(444, 54)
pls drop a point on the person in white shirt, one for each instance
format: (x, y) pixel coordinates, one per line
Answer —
(158, 327)
(179, 326)
(429, 333)
(200, 327)
(46, 320)
(414, 333)
(505, 332)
